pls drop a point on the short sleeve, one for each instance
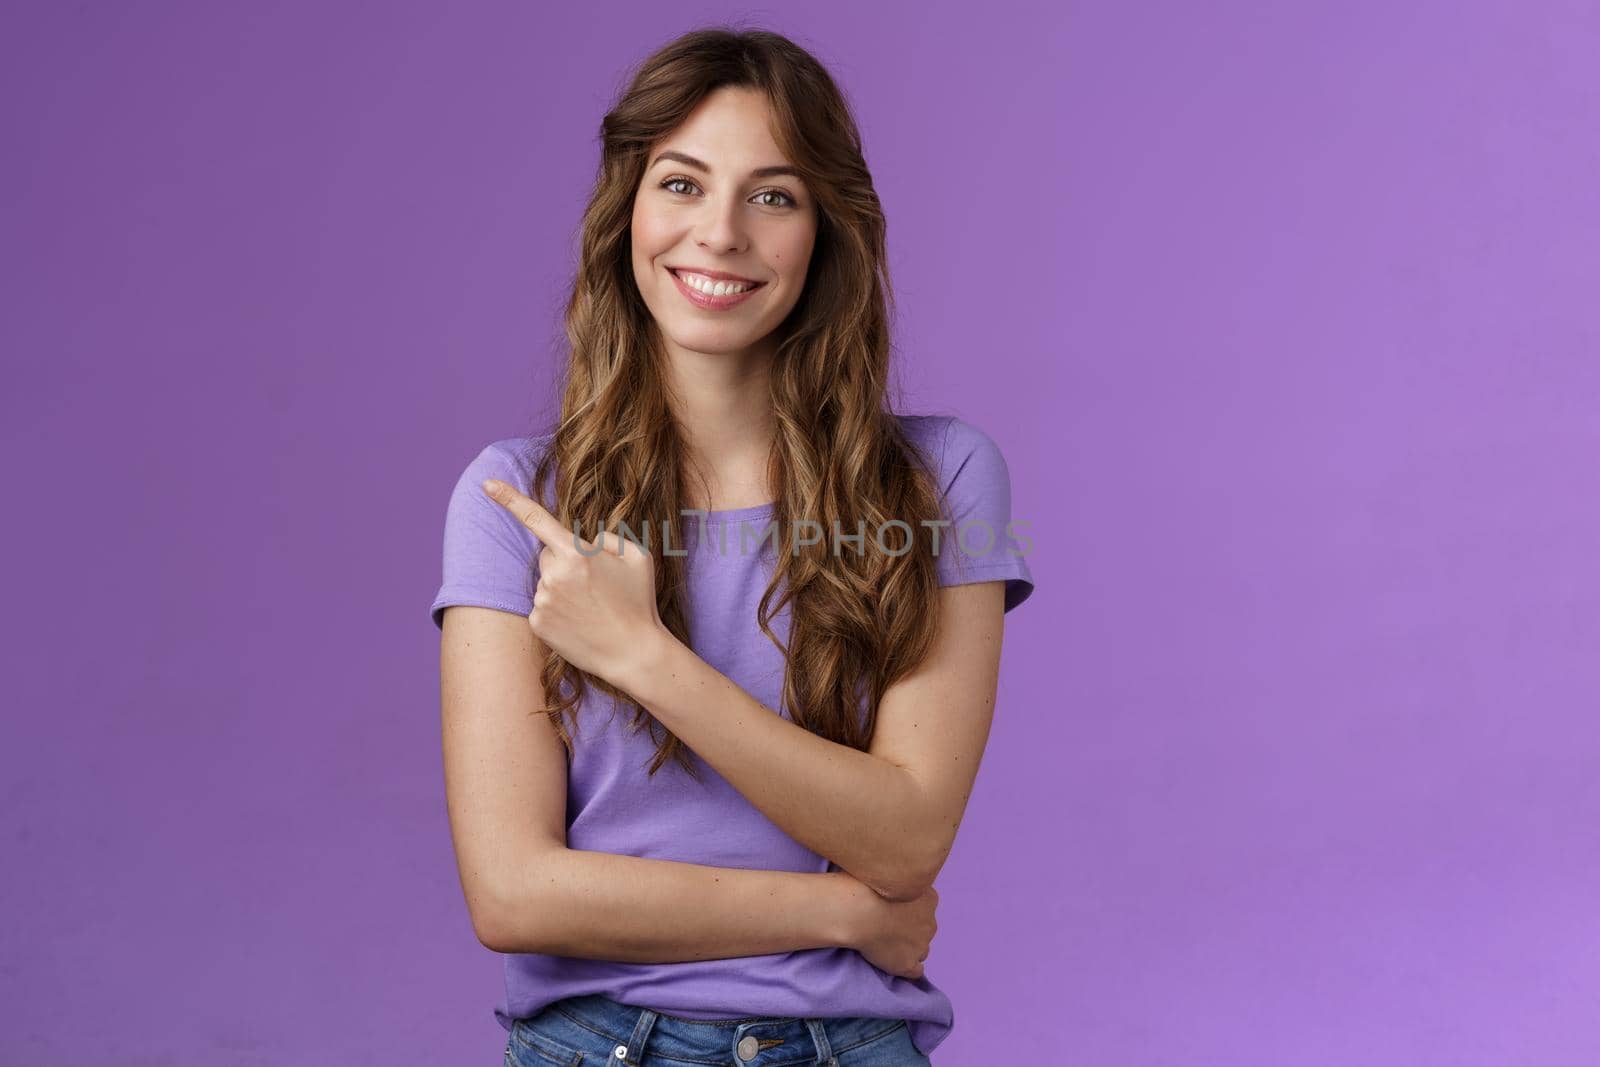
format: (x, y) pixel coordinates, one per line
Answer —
(982, 542)
(489, 556)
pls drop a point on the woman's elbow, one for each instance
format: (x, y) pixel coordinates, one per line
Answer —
(916, 874)
(491, 916)
(487, 930)
(508, 928)
(504, 917)
(903, 886)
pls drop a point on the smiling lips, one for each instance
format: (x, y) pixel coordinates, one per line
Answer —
(712, 294)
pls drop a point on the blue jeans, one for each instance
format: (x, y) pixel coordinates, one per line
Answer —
(593, 1030)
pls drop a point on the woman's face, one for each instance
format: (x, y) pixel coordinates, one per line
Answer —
(711, 202)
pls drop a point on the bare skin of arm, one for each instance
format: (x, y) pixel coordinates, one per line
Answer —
(596, 905)
(506, 785)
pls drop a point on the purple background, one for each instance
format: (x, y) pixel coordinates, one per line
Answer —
(1284, 316)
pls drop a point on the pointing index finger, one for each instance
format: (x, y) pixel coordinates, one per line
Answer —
(528, 511)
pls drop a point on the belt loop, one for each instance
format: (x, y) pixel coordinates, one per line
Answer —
(641, 1031)
(825, 1055)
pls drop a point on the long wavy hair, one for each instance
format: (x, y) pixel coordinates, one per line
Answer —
(858, 621)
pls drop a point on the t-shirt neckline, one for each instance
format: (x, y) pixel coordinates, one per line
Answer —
(757, 511)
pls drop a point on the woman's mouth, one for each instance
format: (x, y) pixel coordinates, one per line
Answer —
(707, 296)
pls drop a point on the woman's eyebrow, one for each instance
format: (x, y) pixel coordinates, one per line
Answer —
(690, 161)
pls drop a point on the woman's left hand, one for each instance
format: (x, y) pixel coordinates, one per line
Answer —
(596, 607)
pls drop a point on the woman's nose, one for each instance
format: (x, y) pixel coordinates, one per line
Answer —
(721, 230)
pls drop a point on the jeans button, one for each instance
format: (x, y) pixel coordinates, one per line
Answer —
(748, 1047)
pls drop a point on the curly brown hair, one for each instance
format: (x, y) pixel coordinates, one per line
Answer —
(858, 621)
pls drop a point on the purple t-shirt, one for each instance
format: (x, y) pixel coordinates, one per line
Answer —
(613, 807)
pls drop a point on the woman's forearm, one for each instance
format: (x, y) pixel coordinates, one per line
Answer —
(598, 905)
(862, 812)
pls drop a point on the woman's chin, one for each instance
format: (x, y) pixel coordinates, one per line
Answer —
(715, 342)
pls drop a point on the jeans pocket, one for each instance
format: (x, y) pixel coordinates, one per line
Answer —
(888, 1048)
(530, 1047)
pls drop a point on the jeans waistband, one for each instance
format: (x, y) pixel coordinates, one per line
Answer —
(764, 1039)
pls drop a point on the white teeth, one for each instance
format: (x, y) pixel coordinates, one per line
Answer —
(712, 288)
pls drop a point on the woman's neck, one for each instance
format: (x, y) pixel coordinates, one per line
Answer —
(723, 402)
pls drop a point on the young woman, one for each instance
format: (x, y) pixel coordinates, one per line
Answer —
(720, 650)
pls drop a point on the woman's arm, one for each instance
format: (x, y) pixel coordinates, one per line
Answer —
(888, 815)
(506, 793)
(597, 905)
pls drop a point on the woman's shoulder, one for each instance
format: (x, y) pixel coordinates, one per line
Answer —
(513, 460)
(951, 442)
(975, 484)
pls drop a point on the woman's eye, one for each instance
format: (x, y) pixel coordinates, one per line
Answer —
(671, 185)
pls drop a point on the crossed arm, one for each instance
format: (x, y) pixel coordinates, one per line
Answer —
(887, 816)
(505, 775)
(506, 782)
